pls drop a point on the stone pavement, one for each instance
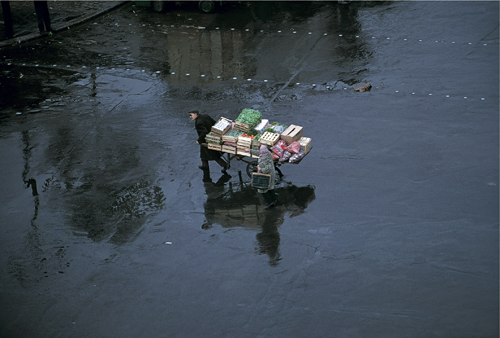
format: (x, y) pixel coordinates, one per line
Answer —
(63, 15)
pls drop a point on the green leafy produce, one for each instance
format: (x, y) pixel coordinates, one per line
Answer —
(278, 124)
(280, 127)
(234, 133)
(249, 117)
(253, 132)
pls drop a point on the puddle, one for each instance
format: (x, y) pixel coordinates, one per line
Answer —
(240, 206)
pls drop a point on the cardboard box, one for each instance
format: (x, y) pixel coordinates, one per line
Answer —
(261, 127)
(292, 133)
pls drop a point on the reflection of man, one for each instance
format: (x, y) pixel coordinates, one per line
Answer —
(203, 124)
(213, 190)
(269, 238)
(242, 208)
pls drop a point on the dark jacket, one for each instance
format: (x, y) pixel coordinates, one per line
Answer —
(203, 125)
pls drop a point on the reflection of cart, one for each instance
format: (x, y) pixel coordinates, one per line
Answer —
(252, 162)
(241, 206)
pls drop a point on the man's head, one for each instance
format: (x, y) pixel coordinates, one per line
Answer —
(193, 115)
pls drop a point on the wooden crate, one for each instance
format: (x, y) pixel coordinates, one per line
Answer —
(292, 133)
(269, 139)
(241, 125)
(230, 139)
(244, 141)
(233, 137)
(228, 149)
(222, 126)
(305, 142)
(243, 153)
(213, 138)
(256, 144)
(214, 146)
(244, 127)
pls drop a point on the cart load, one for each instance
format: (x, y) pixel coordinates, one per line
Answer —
(249, 131)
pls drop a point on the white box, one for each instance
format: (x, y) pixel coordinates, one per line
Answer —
(261, 127)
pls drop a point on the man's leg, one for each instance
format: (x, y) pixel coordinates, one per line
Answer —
(46, 16)
(39, 16)
(204, 165)
(222, 163)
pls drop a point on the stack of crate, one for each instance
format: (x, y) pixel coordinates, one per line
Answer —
(256, 142)
(214, 141)
(244, 145)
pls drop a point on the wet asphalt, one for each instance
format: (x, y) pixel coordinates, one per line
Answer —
(387, 228)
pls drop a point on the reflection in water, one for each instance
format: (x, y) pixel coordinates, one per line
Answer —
(269, 238)
(117, 221)
(198, 56)
(230, 45)
(29, 267)
(243, 207)
(139, 199)
(225, 49)
(352, 51)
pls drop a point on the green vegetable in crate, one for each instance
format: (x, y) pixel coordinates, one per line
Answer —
(249, 117)
(234, 133)
(276, 127)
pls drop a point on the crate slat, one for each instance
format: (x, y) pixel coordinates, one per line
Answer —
(222, 126)
(228, 149)
(269, 138)
(212, 146)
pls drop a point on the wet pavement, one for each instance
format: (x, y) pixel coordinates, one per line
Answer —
(63, 16)
(388, 228)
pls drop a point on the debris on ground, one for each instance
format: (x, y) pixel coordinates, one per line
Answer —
(364, 88)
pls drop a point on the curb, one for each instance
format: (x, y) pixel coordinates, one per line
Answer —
(33, 36)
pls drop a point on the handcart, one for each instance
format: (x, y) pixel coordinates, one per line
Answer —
(252, 162)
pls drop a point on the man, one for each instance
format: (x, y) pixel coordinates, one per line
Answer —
(43, 17)
(203, 124)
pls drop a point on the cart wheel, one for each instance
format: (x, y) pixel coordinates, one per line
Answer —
(251, 167)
